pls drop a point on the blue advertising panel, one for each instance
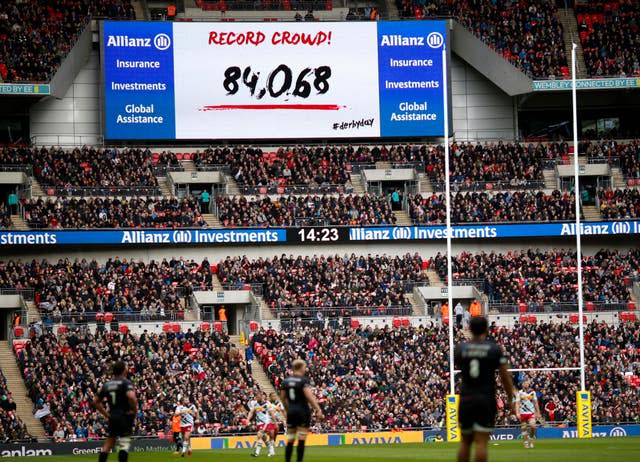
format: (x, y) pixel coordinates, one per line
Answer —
(410, 73)
(198, 80)
(139, 81)
(319, 235)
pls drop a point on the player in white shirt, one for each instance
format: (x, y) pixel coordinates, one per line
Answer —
(528, 410)
(278, 415)
(187, 413)
(260, 409)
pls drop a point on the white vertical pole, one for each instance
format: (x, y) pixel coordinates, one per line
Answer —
(448, 210)
(576, 187)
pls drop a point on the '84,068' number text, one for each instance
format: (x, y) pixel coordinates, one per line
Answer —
(279, 81)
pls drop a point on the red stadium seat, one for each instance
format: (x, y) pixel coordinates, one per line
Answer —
(396, 323)
(205, 326)
(175, 328)
(18, 331)
(108, 317)
(631, 305)
(405, 322)
(253, 326)
(355, 324)
(124, 329)
(99, 317)
(62, 330)
(166, 327)
(590, 306)
(522, 307)
(217, 326)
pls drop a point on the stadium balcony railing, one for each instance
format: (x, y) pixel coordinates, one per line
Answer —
(472, 185)
(27, 294)
(224, 168)
(328, 312)
(27, 169)
(247, 190)
(119, 191)
(256, 288)
(553, 307)
(80, 318)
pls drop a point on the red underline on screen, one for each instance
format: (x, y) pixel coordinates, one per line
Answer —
(271, 107)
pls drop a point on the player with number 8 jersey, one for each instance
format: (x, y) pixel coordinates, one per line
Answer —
(478, 361)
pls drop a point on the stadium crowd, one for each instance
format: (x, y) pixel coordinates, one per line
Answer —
(540, 278)
(63, 373)
(333, 285)
(507, 165)
(305, 210)
(524, 206)
(11, 427)
(66, 288)
(36, 35)
(619, 204)
(104, 170)
(528, 32)
(398, 378)
(113, 213)
(609, 36)
(624, 155)
(5, 217)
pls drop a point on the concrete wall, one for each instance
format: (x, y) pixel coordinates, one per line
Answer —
(481, 110)
(75, 118)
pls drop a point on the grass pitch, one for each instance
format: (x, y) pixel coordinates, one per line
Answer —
(548, 450)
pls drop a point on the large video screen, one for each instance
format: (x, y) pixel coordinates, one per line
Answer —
(272, 80)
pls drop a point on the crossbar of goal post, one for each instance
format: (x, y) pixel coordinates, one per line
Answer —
(583, 397)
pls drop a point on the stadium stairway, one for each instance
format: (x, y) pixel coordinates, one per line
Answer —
(232, 186)
(617, 178)
(33, 314)
(139, 9)
(16, 386)
(212, 221)
(17, 222)
(403, 218)
(424, 184)
(383, 165)
(434, 279)
(417, 308)
(257, 372)
(36, 188)
(216, 284)
(591, 213)
(356, 182)
(550, 179)
(265, 311)
(571, 35)
(188, 166)
(165, 190)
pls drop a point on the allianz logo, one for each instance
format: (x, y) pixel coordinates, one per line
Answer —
(161, 41)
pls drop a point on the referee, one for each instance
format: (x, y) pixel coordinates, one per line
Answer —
(478, 361)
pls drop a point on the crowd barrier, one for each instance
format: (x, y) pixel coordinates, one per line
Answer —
(332, 439)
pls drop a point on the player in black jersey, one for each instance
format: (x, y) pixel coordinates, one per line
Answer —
(478, 360)
(121, 414)
(296, 396)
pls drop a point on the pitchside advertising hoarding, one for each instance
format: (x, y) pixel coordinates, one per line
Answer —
(335, 439)
(317, 235)
(273, 80)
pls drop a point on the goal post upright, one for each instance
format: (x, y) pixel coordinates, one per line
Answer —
(452, 400)
(583, 397)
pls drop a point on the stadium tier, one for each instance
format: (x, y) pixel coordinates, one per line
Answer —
(366, 379)
(35, 36)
